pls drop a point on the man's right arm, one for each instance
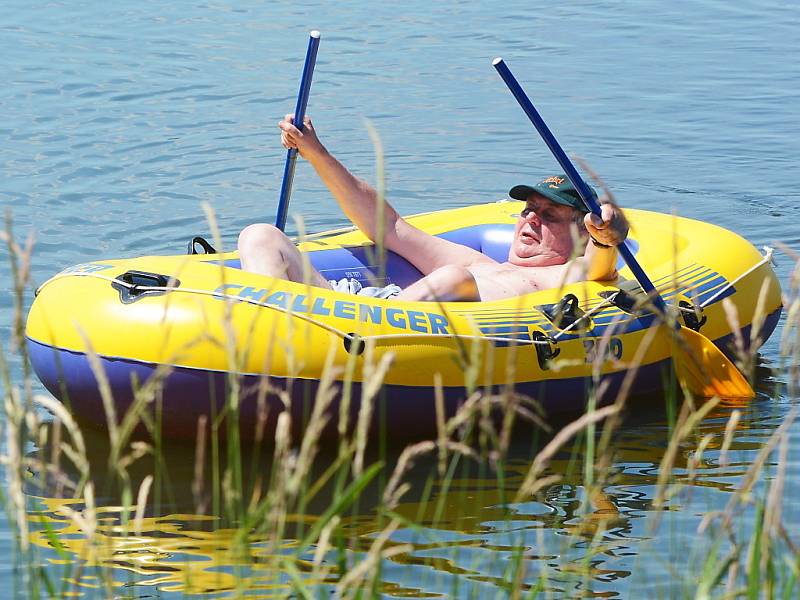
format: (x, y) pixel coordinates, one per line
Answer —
(360, 202)
(356, 197)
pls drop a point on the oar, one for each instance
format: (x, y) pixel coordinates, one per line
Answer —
(702, 367)
(299, 115)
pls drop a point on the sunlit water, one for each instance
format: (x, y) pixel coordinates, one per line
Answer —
(117, 120)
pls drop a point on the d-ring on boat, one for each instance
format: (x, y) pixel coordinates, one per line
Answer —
(170, 312)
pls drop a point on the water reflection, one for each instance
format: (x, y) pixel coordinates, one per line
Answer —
(459, 534)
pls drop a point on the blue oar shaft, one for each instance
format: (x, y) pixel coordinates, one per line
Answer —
(299, 115)
(573, 175)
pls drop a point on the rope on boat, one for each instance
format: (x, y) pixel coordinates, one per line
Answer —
(768, 253)
(168, 289)
(286, 311)
(586, 315)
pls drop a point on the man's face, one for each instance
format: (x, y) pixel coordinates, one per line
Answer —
(543, 234)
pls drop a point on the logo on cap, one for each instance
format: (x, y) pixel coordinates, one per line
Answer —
(555, 179)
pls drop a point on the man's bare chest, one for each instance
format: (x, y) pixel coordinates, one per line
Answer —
(502, 280)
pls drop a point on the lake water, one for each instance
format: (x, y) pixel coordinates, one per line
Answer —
(117, 120)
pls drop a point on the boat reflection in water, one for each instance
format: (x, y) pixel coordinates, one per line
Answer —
(455, 534)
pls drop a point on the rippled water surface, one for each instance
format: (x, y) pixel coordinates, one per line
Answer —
(117, 120)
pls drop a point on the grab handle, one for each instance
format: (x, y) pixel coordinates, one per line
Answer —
(133, 285)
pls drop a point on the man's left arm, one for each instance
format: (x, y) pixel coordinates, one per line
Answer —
(606, 233)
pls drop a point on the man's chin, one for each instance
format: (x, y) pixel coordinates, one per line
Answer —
(522, 261)
(535, 259)
(526, 251)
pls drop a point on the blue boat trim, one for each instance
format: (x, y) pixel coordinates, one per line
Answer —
(410, 408)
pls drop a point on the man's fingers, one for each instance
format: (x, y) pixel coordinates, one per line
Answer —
(289, 131)
(610, 228)
(305, 140)
(596, 221)
(289, 119)
(287, 141)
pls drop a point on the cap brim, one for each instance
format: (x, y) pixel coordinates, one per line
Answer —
(521, 192)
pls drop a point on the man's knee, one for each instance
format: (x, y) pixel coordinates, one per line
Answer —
(260, 235)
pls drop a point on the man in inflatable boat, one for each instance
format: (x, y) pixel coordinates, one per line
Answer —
(555, 240)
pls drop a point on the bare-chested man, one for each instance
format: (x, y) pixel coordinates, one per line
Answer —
(542, 247)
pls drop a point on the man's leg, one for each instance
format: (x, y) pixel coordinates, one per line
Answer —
(450, 283)
(266, 250)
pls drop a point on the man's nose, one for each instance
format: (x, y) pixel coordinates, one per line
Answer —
(533, 219)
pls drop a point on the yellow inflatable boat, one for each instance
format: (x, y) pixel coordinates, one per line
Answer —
(204, 322)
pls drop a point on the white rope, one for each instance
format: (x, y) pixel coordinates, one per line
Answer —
(586, 315)
(391, 336)
(768, 252)
(286, 311)
(158, 288)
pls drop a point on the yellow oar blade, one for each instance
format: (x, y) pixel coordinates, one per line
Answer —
(706, 371)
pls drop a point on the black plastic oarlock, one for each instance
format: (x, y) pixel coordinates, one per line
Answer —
(693, 316)
(203, 243)
(629, 297)
(564, 313)
(623, 300)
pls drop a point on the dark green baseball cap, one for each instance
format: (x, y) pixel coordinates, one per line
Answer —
(557, 188)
